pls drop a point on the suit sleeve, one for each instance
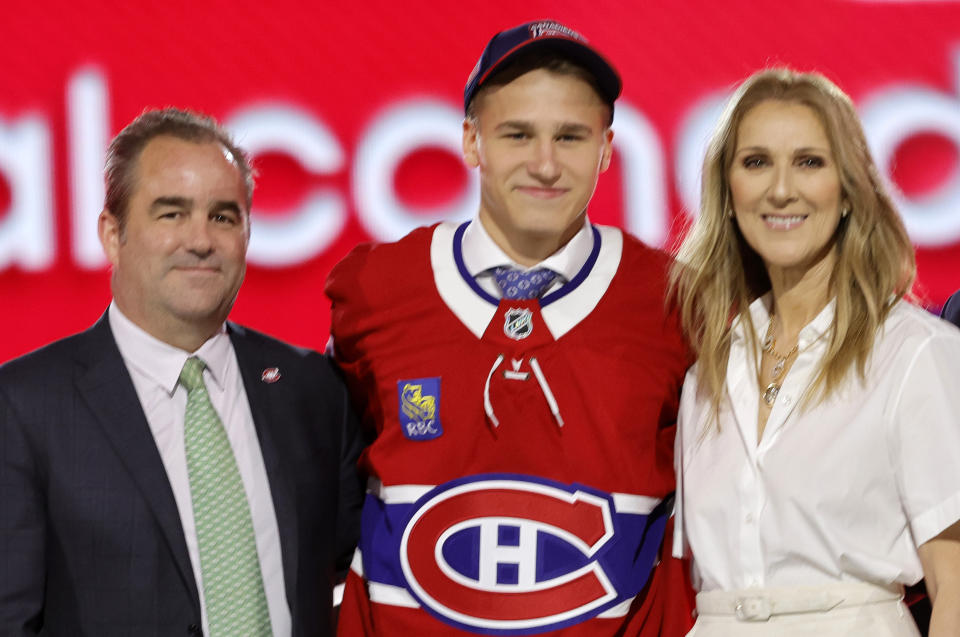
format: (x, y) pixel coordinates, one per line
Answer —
(351, 488)
(22, 528)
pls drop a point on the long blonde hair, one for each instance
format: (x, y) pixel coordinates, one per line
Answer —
(717, 275)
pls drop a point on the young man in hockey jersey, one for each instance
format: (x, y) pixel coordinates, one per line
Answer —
(521, 376)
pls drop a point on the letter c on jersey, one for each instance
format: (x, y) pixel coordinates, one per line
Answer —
(508, 555)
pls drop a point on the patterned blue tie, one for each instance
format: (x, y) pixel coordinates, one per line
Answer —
(517, 284)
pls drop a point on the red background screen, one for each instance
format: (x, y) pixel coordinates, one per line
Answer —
(353, 110)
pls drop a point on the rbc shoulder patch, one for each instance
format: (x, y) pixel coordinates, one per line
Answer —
(419, 409)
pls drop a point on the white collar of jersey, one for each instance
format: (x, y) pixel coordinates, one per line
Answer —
(481, 253)
(561, 309)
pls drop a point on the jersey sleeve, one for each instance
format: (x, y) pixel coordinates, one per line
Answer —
(347, 293)
(665, 608)
(925, 434)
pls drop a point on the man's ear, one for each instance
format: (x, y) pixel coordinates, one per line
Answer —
(607, 150)
(108, 228)
(471, 141)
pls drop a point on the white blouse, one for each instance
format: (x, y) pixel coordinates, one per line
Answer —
(845, 490)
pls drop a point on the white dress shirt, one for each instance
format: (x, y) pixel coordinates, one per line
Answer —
(845, 490)
(155, 369)
(480, 253)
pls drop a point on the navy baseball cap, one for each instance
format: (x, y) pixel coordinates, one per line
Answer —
(545, 35)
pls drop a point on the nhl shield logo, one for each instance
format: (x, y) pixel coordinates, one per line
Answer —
(518, 323)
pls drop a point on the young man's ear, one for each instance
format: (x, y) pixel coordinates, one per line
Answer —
(471, 141)
(607, 150)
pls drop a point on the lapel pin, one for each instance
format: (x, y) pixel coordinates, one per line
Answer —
(270, 375)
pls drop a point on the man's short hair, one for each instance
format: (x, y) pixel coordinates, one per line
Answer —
(525, 62)
(124, 151)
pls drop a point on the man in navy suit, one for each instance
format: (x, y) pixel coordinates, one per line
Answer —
(951, 309)
(107, 522)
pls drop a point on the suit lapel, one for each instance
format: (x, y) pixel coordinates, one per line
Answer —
(266, 412)
(105, 385)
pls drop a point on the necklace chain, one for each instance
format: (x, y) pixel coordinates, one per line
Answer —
(770, 346)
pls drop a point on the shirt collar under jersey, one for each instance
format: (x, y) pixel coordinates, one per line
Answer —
(160, 362)
(480, 252)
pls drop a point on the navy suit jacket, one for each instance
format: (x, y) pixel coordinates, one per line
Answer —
(951, 309)
(91, 542)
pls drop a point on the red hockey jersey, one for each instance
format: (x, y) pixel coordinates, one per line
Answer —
(522, 465)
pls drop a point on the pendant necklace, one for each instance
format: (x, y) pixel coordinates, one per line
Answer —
(769, 346)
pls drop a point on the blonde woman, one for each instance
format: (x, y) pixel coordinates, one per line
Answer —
(819, 444)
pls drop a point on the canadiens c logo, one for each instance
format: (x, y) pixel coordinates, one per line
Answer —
(508, 554)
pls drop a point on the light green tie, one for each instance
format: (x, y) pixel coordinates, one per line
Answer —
(229, 566)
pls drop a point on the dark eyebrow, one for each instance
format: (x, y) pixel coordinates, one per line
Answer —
(811, 149)
(566, 127)
(514, 124)
(581, 129)
(797, 151)
(177, 202)
(220, 206)
(186, 202)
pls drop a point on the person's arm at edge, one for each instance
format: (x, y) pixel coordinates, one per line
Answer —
(926, 454)
(940, 558)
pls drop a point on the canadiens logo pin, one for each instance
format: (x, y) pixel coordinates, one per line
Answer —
(518, 323)
(419, 408)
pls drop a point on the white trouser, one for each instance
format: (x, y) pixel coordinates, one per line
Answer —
(824, 611)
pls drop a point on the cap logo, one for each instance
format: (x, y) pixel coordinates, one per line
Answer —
(550, 28)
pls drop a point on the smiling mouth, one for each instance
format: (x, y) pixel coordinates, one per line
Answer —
(783, 222)
(196, 270)
(542, 192)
